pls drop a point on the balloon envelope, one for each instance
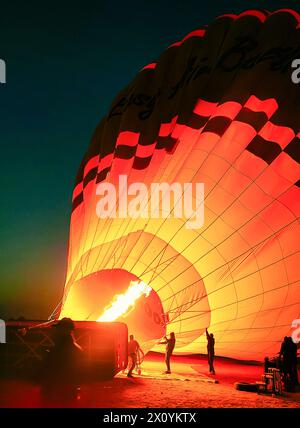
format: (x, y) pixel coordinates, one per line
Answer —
(218, 108)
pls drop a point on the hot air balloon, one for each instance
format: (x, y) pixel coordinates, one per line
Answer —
(218, 109)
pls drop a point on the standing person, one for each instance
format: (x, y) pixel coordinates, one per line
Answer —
(294, 371)
(133, 348)
(282, 355)
(210, 351)
(169, 350)
(63, 365)
(288, 352)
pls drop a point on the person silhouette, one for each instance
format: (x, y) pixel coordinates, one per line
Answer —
(62, 366)
(210, 351)
(288, 353)
(169, 350)
(133, 348)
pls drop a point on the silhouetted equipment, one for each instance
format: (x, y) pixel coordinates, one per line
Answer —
(104, 348)
(246, 386)
(271, 381)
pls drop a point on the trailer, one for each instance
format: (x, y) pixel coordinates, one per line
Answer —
(104, 346)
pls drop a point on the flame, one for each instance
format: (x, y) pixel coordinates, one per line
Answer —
(122, 303)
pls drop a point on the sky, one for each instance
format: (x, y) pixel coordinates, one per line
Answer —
(65, 64)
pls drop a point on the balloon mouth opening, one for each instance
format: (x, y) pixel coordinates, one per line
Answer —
(176, 285)
(117, 295)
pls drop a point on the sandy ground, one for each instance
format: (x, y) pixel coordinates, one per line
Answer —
(189, 385)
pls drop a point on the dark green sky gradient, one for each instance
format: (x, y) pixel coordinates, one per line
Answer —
(65, 64)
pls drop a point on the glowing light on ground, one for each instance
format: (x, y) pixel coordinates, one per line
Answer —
(123, 303)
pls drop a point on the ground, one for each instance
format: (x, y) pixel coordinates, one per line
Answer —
(189, 385)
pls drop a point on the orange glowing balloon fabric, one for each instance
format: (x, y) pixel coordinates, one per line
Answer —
(218, 108)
